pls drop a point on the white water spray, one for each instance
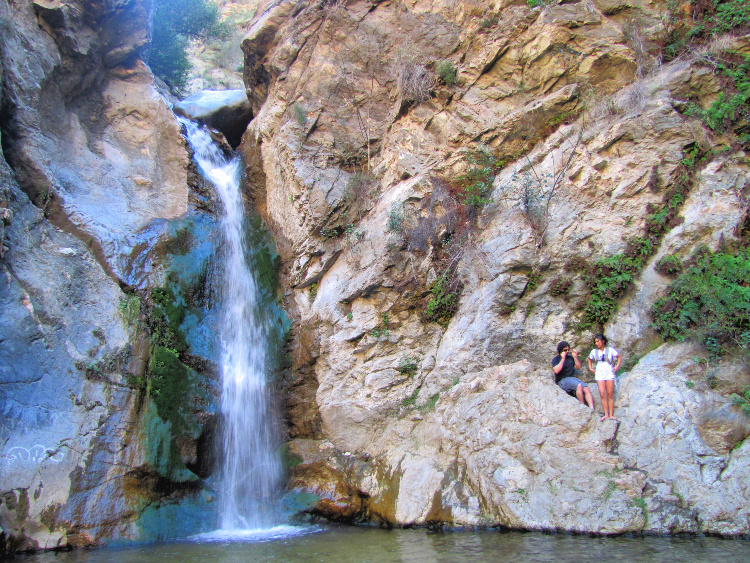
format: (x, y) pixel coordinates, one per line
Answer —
(251, 469)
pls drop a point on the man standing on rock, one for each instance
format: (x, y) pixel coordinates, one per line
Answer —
(565, 365)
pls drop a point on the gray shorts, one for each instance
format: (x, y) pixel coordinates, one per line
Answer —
(571, 384)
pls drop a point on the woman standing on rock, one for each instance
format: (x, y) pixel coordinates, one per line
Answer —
(605, 373)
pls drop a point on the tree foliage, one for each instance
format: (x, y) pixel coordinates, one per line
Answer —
(175, 23)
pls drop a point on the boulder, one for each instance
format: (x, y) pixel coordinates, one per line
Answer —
(228, 111)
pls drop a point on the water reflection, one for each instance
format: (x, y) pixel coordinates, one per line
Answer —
(343, 544)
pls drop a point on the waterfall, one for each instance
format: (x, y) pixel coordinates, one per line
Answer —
(251, 469)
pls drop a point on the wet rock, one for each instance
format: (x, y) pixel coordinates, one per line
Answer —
(228, 111)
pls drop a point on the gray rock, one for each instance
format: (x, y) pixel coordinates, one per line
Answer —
(228, 111)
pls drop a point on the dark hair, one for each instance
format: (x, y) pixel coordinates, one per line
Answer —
(562, 345)
(601, 337)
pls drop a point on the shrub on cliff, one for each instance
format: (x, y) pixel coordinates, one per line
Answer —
(175, 23)
(710, 301)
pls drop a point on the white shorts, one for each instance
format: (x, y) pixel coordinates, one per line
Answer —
(604, 372)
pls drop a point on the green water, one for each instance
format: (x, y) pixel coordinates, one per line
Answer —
(344, 544)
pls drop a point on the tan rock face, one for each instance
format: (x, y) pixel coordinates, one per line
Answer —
(476, 432)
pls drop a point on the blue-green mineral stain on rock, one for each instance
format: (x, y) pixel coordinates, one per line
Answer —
(181, 390)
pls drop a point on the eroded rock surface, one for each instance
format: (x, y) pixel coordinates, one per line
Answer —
(404, 421)
(94, 169)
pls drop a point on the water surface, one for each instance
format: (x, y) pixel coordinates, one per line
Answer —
(333, 544)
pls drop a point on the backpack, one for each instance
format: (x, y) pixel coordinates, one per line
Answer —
(608, 357)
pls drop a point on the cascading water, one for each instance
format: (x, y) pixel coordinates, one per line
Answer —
(251, 469)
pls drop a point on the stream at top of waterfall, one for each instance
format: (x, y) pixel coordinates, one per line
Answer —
(366, 544)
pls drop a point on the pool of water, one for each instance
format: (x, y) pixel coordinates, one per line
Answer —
(332, 544)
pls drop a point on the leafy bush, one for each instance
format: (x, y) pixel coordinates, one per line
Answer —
(444, 300)
(733, 104)
(669, 265)
(447, 72)
(408, 366)
(175, 23)
(610, 278)
(731, 14)
(560, 286)
(476, 183)
(709, 301)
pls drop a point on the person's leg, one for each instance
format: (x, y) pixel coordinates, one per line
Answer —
(603, 394)
(610, 396)
(579, 392)
(588, 396)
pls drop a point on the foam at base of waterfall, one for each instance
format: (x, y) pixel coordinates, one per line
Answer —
(256, 535)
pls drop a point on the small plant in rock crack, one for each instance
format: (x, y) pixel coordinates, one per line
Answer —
(447, 72)
(408, 366)
(396, 218)
(743, 400)
(382, 328)
(533, 191)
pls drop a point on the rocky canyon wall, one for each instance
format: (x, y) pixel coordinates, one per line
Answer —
(371, 117)
(97, 212)
(441, 178)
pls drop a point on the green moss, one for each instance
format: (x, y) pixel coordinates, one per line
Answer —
(166, 316)
(411, 400)
(169, 386)
(289, 460)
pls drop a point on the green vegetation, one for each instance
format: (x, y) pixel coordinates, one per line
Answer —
(175, 23)
(743, 401)
(443, 302)
(733, 103)
(447, 72)
(729, 15)
(396, 218)
(475, 185)
(533, 280)
(641, 503)
(430, 404)
(670, 265)
(609, 491)
(710, 301)
(408, 366)
(609, 278)
(411, 400)
(312, 292)
(382, 328)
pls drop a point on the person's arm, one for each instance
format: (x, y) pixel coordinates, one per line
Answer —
(558, 367)
(591, 364)
(576, 360)
(619, 361)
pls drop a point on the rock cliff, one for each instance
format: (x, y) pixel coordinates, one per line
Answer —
(453, 188)
(96, 205)
(374, 121)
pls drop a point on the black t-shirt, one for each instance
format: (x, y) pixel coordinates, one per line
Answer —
(568, 369)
